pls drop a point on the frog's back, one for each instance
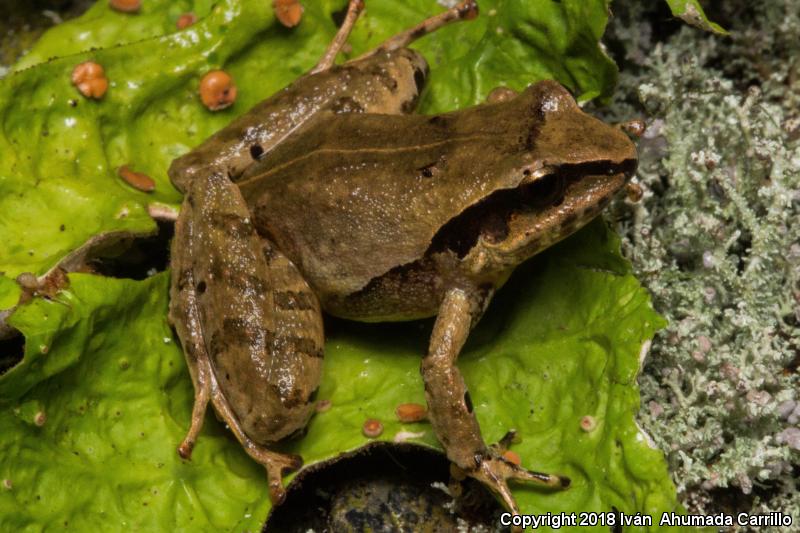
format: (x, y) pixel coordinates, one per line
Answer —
(351, 197)
(360, 194)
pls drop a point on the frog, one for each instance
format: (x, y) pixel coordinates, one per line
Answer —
(334, 195)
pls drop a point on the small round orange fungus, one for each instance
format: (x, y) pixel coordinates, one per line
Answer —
(288, 12)
(186, 20)
(635, 128)
(217, 90)
(125, 6)
(588, 423)
(411, 412)
(372, 428)
(137, 180)
(90, 79)
(512, 457)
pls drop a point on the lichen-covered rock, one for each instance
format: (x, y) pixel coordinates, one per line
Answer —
(717, 241)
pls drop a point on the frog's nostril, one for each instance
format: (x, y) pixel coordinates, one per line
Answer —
(201, 287)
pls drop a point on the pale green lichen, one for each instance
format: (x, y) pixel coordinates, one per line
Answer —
(716, 239)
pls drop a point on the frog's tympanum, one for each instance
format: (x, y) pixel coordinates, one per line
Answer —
(331, 195)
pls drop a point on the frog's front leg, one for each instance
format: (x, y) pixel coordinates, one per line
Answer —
(449, 404)
(250, 326)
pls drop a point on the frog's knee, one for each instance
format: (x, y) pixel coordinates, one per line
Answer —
(185, 169)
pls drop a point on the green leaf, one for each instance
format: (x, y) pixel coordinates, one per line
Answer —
(102, 27)
(9, 292)
(105, 459)
(691, 12)
(560, 342)
(58, 182)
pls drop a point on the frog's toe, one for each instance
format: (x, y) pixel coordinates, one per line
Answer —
(278, 465)
(276, 491)
(494, 471)
(294, 462)
(185, 449)
(503, 444)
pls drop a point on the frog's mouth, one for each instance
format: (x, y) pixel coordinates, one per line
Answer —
(543, 209)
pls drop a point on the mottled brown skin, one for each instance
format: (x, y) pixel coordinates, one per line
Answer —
(376, 215)
(390, 197)
(251, 329)
(385, 82)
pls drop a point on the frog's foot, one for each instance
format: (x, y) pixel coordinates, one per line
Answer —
(464, 10)
(354, 9)
(277, 465)
(493, 470)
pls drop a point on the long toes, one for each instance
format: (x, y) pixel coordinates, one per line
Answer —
(495, 471)
(549, 480)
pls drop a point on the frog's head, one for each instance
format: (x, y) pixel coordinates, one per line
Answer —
(566, 167)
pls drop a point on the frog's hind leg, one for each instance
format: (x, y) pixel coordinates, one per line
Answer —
(354, 9)
(495, 471)
(276, 464)
(202, 394)
(207, 389)
(450, 407)
(183, 314)
(251, 332)
(464, 10)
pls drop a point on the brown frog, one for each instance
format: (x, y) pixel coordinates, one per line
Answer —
(332, 195)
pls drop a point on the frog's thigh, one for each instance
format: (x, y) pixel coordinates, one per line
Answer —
(250, 326)
(449, 404)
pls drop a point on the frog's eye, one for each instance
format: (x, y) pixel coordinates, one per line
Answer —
(547, 190)
(256, 151)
